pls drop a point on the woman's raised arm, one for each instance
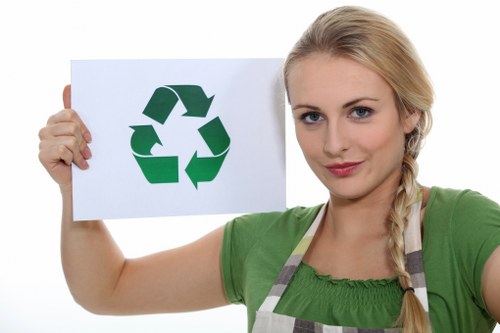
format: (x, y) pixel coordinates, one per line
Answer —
(99, 277)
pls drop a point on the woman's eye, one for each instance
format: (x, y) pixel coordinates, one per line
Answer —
(361, 112)
(311, 117)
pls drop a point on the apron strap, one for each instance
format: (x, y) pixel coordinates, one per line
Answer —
(291, 265)
(414, 254)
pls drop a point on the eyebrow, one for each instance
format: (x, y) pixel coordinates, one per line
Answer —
(357, 100)
(345, 106)
(306, 106)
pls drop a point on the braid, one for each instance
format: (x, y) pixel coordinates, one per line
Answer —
(412, 317)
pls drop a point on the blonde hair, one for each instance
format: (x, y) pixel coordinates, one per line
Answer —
(377, 43)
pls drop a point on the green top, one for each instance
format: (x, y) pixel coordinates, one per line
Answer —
(462, 229)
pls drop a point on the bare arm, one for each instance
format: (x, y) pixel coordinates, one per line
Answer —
(99, 277)
(491, 284)
(103, 281)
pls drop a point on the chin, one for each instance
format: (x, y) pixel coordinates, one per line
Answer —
(351, 196)
(347, 190)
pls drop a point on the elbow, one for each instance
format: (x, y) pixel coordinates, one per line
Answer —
(97, 307)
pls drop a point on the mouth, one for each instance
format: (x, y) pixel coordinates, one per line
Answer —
(343, 169)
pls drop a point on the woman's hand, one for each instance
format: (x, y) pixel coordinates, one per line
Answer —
(63, 141)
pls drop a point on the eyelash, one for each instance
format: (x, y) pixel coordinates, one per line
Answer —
(368, 112)
(304, 117)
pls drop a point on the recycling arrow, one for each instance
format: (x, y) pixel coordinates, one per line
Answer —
(156, 169)
(204, 169)
(165, 169)
(159, 170)
(165, 98)
(143, 139)
(215, 136)
(194, 99)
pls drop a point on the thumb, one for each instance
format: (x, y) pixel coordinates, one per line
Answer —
(67, 96)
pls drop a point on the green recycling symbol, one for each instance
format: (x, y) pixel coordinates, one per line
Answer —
(165, 169)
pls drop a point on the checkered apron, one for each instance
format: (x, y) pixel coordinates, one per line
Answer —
(269, 322)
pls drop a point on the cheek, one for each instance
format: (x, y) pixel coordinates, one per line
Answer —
(389, 141)
(308, 141)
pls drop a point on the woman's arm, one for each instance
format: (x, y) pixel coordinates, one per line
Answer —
(103, 281)
(99, 277)
(491, 284)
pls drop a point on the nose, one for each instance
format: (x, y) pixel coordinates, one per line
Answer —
(336, 138)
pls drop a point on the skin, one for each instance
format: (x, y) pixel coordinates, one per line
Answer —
(337, 93)
(189, 278)
(99, 277)
(491, 284)
(345, 112)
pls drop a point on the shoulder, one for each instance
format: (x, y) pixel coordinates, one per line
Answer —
(459, 203)
(471, 222)
(466, 216)
(258, 224)
(251, 228)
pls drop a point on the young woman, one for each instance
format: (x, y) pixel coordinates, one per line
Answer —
(384, 253)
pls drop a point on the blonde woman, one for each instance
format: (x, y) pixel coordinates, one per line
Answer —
(384, 254)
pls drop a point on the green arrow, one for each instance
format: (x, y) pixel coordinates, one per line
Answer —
(215, 136)
(164, 169)
(143, 139)
(204, 169)
(194, 99)
(161, 104)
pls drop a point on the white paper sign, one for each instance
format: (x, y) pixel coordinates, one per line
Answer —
(180, 137)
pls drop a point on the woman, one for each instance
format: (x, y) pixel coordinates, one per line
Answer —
(384, 252)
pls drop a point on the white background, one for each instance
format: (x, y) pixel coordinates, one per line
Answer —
(458, 42)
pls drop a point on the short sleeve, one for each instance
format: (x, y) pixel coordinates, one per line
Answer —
(240, 236)
(232, 295)
(475, 235)
(255, 247)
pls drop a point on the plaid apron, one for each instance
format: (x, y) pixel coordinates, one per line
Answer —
(269, 322)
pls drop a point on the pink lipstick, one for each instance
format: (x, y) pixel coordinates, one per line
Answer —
(343, 169)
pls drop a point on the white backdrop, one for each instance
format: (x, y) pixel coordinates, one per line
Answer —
(457, 41)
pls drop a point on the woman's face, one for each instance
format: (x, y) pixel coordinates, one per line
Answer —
(347, 125)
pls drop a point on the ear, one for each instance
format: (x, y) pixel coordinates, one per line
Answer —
(411, 120)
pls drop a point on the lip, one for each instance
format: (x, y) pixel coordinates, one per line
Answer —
(343, 169)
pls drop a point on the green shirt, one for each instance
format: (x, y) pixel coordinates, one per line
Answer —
(461, 230)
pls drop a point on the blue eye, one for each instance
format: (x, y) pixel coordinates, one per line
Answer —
(311, 117)
(361, 112)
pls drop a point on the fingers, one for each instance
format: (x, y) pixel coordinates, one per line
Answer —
(66, 148)
(72, 116)
(72, 123)
(65, 139)
(62, 149)
(67, 97)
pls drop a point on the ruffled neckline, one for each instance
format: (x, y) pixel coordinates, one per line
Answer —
(345, 282)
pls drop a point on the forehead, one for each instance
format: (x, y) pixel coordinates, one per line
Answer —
(321, 78)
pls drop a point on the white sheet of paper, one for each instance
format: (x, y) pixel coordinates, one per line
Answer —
(239, 166)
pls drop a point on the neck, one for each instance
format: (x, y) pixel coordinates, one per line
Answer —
(361, 217)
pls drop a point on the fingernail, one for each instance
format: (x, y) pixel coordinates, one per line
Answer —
(87, 137)
(87, 153)
(84, 165)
